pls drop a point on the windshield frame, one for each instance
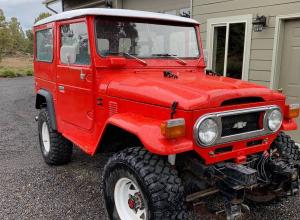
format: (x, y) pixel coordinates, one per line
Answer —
(149, 21)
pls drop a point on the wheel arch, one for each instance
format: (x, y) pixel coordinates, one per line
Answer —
(146, 131)
(44, 98)
(111, 133)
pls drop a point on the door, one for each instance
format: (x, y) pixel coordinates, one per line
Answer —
(289, 80)
(75, 76)
(229, 45)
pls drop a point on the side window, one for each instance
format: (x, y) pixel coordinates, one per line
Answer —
(74, 44)
(44, 45)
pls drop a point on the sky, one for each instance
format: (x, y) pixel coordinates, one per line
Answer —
(25, 10)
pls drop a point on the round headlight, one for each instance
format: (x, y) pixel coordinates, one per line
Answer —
(274, 120)
(208, 131)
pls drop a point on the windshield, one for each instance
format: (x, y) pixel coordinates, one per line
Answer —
(145, 40)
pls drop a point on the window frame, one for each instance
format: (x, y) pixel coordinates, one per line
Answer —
(149, 21)
(226, 21)
(74, 21)
(36, 49)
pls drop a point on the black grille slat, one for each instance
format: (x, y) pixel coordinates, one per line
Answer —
(249, 121)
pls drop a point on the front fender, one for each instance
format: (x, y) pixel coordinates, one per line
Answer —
(289, 125)
(149, 133)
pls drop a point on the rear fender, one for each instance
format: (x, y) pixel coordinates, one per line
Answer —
(45, 96)
(149, 133)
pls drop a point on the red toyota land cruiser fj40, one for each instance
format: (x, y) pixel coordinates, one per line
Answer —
(134, 83)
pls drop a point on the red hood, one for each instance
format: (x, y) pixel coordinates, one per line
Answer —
(191, 90)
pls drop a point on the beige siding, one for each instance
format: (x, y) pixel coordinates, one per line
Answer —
(146, 5)
(260, 75)
(156, 5)
(262, 43)
(262, 83)
(261, 54)
(75, 4)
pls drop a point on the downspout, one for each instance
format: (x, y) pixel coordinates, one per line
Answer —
(191, 3)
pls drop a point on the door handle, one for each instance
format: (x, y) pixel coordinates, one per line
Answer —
(61, 88)
(82, 75)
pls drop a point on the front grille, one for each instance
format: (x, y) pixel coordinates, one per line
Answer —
(238, 124)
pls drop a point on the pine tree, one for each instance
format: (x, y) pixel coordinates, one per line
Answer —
(4, 35)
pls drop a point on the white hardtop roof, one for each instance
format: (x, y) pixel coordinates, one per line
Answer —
(114, 12)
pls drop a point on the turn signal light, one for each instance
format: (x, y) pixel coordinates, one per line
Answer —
(173, 128)
(293, 111)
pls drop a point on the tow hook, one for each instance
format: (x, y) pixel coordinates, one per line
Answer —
(36, 118)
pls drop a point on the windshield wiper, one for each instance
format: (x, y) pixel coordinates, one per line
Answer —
(174, 56)
(129, 55)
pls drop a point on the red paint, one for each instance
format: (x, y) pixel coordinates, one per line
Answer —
(138, 98)
(131, 203)
(241, 159)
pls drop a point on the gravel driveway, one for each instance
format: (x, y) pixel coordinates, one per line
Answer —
(29, 189)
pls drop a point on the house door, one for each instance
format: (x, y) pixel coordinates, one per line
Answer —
(229, 46)
(289, 79)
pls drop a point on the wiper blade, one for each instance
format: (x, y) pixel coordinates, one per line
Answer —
(129, 55)
(174, 56)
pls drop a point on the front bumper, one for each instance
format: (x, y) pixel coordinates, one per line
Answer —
(236, 151)
(242, 145)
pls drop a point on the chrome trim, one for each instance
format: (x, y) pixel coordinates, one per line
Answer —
(252, 134)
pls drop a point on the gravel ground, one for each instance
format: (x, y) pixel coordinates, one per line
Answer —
(29, 189)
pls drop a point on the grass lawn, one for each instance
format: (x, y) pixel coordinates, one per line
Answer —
(15, 66)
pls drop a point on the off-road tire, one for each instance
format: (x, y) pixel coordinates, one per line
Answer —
(290, 151)
(158, 180)
(60, 148)
(287, 148)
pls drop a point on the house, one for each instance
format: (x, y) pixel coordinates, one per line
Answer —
(175, 7)
(257, 41)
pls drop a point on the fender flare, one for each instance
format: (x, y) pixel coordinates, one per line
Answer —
(148, 132)
(50, 106)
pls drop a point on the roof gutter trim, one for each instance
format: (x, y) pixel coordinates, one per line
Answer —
(114, 12)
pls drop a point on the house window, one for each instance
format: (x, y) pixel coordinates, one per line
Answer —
(44, 45)
(229, 46)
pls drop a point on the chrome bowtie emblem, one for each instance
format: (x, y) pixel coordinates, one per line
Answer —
(240, 125)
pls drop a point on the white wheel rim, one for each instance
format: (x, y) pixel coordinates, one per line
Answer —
(46, 137)
(128, 193)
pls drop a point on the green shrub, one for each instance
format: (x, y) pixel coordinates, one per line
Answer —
(29, 72)
(11, 73)
(18, 74)
(8, 73)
